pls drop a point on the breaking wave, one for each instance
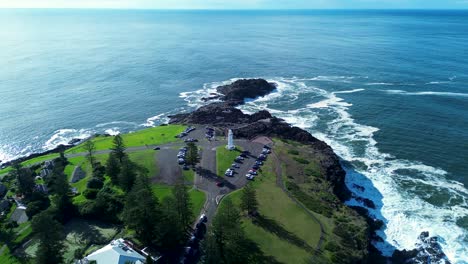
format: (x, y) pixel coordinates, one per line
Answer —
(401, 92)
(398, 187)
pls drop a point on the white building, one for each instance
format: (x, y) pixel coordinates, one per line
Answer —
(230, 144)
(117, 252)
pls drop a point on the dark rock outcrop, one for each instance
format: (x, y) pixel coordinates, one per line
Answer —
(225, 115)
(428, 250)
(236, 92)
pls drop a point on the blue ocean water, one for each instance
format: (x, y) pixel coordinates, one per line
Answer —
(386, 89)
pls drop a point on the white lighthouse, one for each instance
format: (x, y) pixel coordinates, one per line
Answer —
(230, 144)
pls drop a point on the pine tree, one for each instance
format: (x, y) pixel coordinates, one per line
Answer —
(249, 200)
(119, 148)
(60, 188)
(127, 175)
(50, 235)
(226, 242)
(192, 154)
(183, 204)
(25, 180)
(142, 212)
(113, 168)
(90, 149)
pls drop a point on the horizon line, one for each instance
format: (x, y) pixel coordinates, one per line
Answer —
(241, 9)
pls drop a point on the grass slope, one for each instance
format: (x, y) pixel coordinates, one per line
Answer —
(285, 231)
(151, 136)
(224, 159)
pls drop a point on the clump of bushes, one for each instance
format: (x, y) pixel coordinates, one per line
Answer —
(301, 160)
(293, 152)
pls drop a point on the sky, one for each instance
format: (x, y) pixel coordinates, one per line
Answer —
(239, 4)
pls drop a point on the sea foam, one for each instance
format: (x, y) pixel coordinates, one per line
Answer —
(406, 213)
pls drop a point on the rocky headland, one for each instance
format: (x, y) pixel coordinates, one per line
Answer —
(224, 114)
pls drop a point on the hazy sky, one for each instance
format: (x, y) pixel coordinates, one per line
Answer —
(237, 4)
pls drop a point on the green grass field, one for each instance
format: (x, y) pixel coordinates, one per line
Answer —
(146, 159)
(6, 256)
(286, 232)
(150, 136)
(224, 159)
(197, 197)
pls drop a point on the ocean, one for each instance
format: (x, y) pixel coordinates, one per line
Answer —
(388, 90)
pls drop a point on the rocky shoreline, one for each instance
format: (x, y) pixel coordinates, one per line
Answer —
(225, 115)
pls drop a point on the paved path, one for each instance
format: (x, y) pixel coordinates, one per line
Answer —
(280, 183)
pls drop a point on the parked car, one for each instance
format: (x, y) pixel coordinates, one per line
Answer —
(220, 184)
(258, 162)
(186, 167)
(229, 173)
(253, 172)
(240, 158)
(243, 155)
(181, 161)
(235, 165)
(249, 176)
(256, 167)
(156, 148)
(203, 218)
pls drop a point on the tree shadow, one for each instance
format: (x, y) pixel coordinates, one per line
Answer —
(272, 226)
(255, 254)
(211, 176)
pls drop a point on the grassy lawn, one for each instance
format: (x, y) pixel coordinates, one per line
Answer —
(197, 197)
(286, 232)
(84, 233)
(151, 136)
(146, 159)
(198, 201)
(189, 175)
(224, 159)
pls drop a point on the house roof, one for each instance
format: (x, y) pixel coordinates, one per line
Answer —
(117, 252)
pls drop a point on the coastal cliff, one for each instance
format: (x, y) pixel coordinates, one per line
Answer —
(225, 115)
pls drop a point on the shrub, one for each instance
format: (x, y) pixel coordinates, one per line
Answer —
(301, 160)
(90, 193)
(95, 183)
(293, 152)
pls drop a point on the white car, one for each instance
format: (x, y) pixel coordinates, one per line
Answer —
(249, 176)
(253, 172)
(229, 173)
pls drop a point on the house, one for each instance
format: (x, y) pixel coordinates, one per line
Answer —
(19, 215)
(3, 190)
(118, 251)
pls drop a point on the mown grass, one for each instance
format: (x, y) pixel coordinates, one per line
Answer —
(224, 159)
(197, 197)
(150, 136)
(284, 230)
(146, 159)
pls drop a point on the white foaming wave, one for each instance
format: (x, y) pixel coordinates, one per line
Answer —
(63, 136)
(350, 91)
(116, 123)
(407, 215)
(112, 131)
(161, 118)
(401, 92)
(380, 83)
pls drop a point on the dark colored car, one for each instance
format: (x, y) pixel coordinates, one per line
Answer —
(157, 148)
(220, 184)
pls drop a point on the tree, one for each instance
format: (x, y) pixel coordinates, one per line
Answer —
(50, 235)
(60, 188)
(90, 149)
(95, 183)
(113, 167)
(174, 234)
(249, 200)
(24, 179)
(127, 175)
(119, 148)
(192, 154)
(142, 212)
(226, 243)
(38, 202)
(183, 204)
